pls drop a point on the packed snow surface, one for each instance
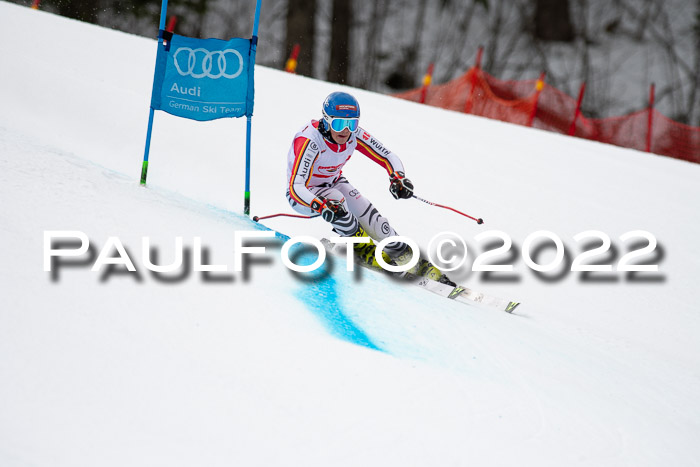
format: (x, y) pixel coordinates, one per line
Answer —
(116, 368)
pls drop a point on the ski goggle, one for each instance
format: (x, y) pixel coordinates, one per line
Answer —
(339, 124)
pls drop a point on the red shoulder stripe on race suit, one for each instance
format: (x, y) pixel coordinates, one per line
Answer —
(300, 146)
(376, 151)
(375, 156)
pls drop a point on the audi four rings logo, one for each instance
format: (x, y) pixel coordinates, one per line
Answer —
(199, 63)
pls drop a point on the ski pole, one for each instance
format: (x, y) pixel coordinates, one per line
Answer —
(478, 221)
(259, 218)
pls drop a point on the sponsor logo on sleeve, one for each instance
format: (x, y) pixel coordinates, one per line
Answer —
(304, 172)
(378, 147)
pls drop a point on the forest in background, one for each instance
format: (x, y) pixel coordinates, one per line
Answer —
(618, 47)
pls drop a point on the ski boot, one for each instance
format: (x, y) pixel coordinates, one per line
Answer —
(423, 268)
(364, 252)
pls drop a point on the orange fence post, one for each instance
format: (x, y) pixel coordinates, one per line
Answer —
(651, 116)
(171, 24)
(479, 54)
(539, 85)
(426, 82)
(477, 67)
(35, 4)
(291, 65)
(572, 128)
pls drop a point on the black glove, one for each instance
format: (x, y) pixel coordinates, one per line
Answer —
(400, 187)
(330, 209)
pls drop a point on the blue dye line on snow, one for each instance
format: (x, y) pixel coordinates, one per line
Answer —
(321, 297)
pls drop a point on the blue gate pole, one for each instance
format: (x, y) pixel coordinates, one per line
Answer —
(144, 166)
(246, 195)
(161, 27)
(249, 112)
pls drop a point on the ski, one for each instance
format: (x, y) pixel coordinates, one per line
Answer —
(463, 294)
(457, 293)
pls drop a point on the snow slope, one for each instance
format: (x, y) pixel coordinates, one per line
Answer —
(117, 368)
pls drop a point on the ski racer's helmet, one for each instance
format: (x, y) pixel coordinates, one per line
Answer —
(340, 111)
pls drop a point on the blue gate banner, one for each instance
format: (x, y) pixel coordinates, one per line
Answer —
(204, 79)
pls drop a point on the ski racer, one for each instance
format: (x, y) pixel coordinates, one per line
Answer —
(317, 187)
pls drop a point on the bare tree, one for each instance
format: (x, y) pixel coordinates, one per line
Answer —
(406, 72)
(694, 98)
(301, 22)
(83, 10)
(379, 15)
(340, 41)
(553, 21)
(452, 49)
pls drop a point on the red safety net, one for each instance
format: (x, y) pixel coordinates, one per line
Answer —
(479, 93)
